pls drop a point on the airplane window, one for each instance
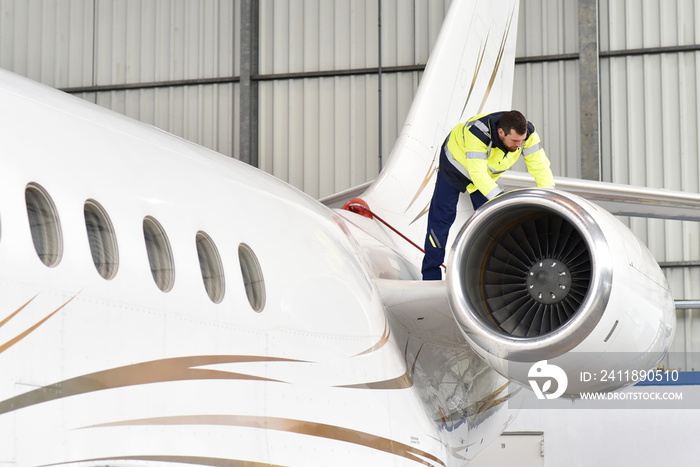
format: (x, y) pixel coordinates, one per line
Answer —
(44, 225)
(210, 266)
(160, 256)
(252, 277)
(103, 243)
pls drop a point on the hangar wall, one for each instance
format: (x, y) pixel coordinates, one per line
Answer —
(173, 64)
(321, 132)
(176, 64)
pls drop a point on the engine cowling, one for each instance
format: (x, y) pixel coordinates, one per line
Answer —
(541, 274)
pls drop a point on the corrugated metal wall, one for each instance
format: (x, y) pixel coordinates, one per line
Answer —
(650, 121)
(50, 42)
(548, 92)
(84, 43)
(650, 111)
(321, 133)
(157, 41)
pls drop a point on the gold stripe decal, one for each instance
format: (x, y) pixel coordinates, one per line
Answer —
(158, 371)
(479, 61)
(21, 336)
(14, 313)
(195, 460)
(402, 382)
(302, 427)
(428, 176)
(497, 65)
(380, 343)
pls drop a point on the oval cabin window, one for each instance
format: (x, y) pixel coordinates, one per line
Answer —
(160, 256)
(101, 238)
(252, 277)
(210, 266)
(44, 225)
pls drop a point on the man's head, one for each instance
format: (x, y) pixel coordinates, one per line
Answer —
(512, 129)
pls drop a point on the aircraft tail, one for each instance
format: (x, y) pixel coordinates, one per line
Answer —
(470, 71)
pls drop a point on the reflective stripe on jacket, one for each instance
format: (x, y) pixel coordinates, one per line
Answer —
(475, 157)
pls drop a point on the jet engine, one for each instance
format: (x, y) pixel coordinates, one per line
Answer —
(540, 274)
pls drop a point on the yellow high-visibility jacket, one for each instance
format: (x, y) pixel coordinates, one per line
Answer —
(475, 157)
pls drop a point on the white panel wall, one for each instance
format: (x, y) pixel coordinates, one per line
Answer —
(77, 43)
(650, 119)
(548, 93)
(167, 40)
(316, 132)
(163, 40)
(649, 107)
(321, 134)
(48, 41)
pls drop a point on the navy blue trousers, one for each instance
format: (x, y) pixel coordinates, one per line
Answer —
(441, 216)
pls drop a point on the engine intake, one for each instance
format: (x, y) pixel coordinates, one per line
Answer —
(538, 273)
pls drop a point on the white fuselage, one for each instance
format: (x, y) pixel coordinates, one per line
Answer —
(99, 371)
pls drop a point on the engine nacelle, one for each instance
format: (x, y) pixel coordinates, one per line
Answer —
(541, 274)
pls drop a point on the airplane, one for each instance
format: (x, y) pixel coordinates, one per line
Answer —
(165, 304)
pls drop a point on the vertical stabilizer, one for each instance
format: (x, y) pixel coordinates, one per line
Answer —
(470, 71)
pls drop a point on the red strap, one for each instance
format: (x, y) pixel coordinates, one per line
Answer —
(359, 206)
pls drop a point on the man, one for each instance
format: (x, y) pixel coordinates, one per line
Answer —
(472, 158)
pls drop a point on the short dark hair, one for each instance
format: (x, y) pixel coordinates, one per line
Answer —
(513, 120)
